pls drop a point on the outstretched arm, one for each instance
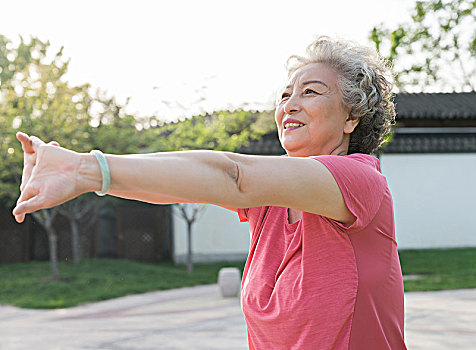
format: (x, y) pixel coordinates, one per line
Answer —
(226, 179)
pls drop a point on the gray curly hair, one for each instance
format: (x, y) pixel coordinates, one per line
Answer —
(365, 84)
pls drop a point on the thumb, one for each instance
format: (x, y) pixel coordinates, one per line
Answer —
(26, 207)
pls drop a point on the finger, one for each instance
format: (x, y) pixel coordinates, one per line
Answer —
(27, 207)
(28, 165)
(36, 143)
(20, 218)
(25, 142)
(29, 158)
(25, 195)
(25, 177)
(54, 143)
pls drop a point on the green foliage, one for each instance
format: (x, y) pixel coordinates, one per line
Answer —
(36, 99)
(437, 50)
(25, 285)
(114, 130)
(222, 130)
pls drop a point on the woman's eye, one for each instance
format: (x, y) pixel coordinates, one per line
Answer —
(309, 91)
(285, 95)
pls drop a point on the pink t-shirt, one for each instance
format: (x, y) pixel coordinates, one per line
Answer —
(317, 284)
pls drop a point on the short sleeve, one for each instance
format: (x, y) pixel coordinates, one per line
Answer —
(361, 183)
(243, 214)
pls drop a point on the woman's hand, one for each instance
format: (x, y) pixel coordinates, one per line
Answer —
(49, 176)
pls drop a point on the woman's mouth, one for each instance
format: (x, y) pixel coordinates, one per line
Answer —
(288, 126)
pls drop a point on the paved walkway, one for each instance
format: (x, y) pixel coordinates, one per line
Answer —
(198, 318)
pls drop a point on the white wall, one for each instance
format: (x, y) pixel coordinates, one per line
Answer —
(434, 197)
(217, 236)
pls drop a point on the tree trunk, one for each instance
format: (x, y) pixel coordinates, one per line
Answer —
(75, 240)
(189, 253)
(46, 219)
(53, 244)
(190, 216)
(75, 210)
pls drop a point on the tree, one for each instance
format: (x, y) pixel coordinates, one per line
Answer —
(35, 98)
(190, 212)
(115, 131)
(85, 206)
(436, 51)
(220, 130)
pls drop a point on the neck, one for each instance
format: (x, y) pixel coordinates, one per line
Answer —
(343, 147)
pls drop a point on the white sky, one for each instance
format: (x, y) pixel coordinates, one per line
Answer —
(168, 51)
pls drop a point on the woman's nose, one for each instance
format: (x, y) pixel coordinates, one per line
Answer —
(292, 105)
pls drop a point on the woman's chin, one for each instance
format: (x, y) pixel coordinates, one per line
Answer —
(295, 149)
(291, 145)
(296, 153)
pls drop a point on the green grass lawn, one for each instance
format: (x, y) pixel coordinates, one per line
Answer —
(439, 268)
(27, 285)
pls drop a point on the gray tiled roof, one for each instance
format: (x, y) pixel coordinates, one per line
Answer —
(441, 142)
(436, 105)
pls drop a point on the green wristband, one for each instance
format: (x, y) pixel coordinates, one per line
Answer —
(105, 173)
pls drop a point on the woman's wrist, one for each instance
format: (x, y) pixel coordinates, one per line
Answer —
(89, 177)
(105, 173)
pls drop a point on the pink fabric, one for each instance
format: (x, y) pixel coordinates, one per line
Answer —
(316, 284)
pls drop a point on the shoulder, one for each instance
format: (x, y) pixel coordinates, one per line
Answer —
(356, 167)
(354, 160)
(361, 183)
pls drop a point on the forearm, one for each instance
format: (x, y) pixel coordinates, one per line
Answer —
(53, 175)
(167, 177)
(154, 198)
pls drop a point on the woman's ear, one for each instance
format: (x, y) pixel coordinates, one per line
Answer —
(350, 124)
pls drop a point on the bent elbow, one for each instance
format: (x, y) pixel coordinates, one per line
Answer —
(234, 173)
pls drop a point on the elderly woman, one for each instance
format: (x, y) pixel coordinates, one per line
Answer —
(323, 270)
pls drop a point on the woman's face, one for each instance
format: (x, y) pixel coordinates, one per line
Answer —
(311, 117)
